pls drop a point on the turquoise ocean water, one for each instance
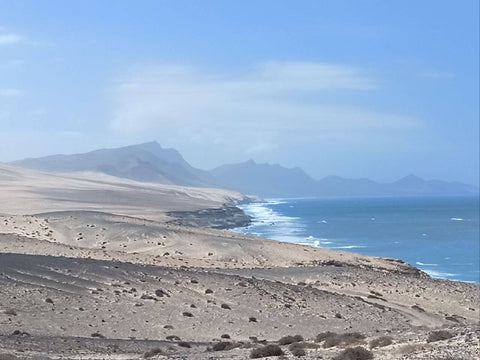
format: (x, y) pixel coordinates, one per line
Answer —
(438, 235)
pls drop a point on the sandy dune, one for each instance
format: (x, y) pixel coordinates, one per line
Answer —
(25, 191)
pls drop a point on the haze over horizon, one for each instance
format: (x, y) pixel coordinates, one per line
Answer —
(358, 89)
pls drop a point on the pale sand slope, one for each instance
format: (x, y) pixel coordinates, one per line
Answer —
(106, 236)
(25, 191)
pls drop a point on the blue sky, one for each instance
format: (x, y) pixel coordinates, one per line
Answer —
(377, 89)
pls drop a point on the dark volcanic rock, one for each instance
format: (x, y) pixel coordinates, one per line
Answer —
(226, 217)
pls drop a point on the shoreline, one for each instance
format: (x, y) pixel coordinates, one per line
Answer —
(295, 229)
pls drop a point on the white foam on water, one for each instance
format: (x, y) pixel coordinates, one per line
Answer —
(349, 247)
(269, 223)
(456, 219)
(439, 274)
(422, 264)
(274, 201)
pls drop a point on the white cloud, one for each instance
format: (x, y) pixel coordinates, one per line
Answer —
(9, 38)
(10, 92)
(276, 102)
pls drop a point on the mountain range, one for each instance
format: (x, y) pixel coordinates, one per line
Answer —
(150, 162)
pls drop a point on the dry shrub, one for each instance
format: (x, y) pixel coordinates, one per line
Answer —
(439, 335)
(153, 352)
(355, 353)
(224, 346)
(173, 338)
(184, 344)
(187, 314)
(286, 340)
(324, 336)
(343, 339)
(161, 293)
(381, 342)
(297, 349)
(265, 351)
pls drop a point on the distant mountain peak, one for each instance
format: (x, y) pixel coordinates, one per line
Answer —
(141, 162)
(150, 143)
(151, 162)
(412, 177)
(411, 180)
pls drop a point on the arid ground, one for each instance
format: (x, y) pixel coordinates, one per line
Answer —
(100, 268)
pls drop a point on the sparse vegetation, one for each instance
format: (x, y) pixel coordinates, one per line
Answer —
(325, 335)
(355, 353)
(381, 342)
(20, 333)
(226, 307)
(439, 335)
(184, 344)
(297, 349)
(209, 291)
(286, 340)
(225, 336)
(161, 293)
(97, 335)
(343, 339)
(153, 352)
(187, 314)
(252, 319)
(224, 346)
(49, 301)
(265, 351)
(172, 338)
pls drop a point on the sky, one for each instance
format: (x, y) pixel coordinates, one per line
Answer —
(360, 88)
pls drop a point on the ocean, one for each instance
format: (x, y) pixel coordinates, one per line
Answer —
(439, 235)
